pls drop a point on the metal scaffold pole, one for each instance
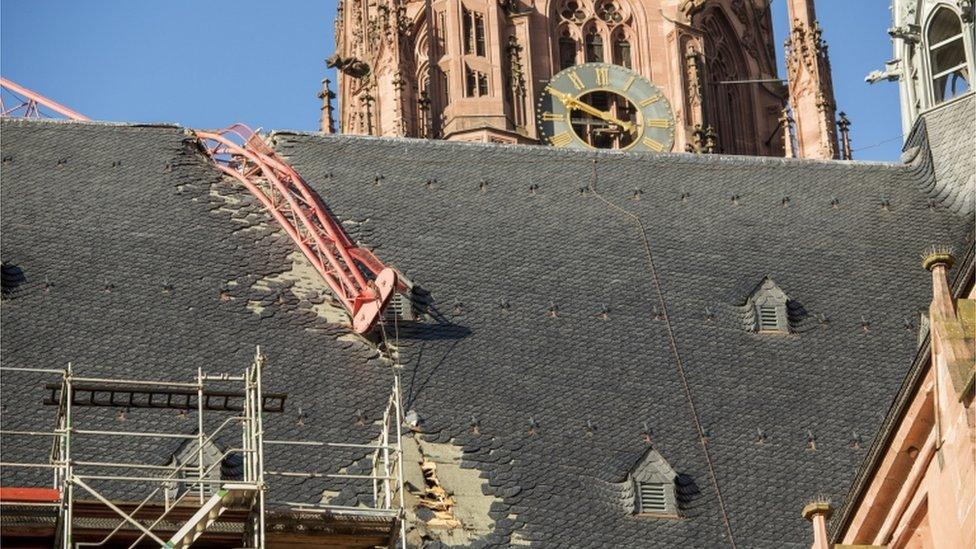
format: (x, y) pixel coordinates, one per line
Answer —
(187, 496)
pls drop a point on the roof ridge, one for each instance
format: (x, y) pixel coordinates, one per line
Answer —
(534, 150)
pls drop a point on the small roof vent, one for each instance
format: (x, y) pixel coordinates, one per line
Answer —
(767, 309)
(652, 498)
(654, 486)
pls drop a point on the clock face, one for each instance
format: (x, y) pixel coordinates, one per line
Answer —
(604, 106)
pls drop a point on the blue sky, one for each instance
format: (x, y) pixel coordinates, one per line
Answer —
(208, 64)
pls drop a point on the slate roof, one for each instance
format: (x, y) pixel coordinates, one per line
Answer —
(550, 312)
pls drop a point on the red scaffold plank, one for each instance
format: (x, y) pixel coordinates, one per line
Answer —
(358, 279)
(12, 494)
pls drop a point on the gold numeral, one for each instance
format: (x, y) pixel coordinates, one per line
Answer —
(602, 76)
(653, 145)
(551, 116)
(576, 80)
(658, 123)
(650, 100)
(561, 139)
(630, 82)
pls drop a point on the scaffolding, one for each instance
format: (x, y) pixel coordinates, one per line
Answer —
(187, 497)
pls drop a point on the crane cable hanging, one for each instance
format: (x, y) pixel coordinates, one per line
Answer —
(652, 270)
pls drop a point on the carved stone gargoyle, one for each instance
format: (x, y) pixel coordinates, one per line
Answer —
(349, 65)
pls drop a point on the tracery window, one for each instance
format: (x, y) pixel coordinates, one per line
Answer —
(947, 56)
(594, 46)
(727, 109)
(593, 31)
(567, 50)
(621, 50)
(476, 83)
(474, 32)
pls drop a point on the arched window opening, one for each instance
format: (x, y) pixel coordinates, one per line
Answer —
(476, 83)
(947, 56)
(567, 51)
(594, 46)
(726, 108)
(593, 31)
(424, 104)
(621, 51)
(474, 32)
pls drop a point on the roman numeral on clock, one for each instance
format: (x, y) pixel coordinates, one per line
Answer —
(650, 100)
(602, 76)
(561, 139)
(658, 123)
(551, 116)
(653, 145)
(575, 79)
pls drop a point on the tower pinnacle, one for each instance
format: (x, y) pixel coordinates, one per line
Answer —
(811, 94)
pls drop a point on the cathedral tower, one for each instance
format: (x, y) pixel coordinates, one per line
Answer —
(474, 70)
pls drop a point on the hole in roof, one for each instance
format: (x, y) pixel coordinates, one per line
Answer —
(11, 278)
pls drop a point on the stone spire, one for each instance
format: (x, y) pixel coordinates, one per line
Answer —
(326, 123)
(844, 128)
(811, 93)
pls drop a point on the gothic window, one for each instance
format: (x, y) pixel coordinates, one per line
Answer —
(474, 32)
(594, 46)
(610, 13)
(567, 51)
(479, 34)
(621, 50)
(424, 118)
(439, 31)
(947, 56)
(482, 84)
(727, 109)
(476, 83)
(593, 31)
(443, 77)
(470, 82)
(571, 11)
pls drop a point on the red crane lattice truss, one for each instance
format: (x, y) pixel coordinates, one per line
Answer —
(357, 278)
(28, 103)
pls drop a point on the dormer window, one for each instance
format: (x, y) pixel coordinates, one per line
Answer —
(654, 487)
(767, 310)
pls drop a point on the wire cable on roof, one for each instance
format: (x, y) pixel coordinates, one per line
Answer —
(652, 270)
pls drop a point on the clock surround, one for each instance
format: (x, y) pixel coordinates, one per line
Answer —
(604, 106)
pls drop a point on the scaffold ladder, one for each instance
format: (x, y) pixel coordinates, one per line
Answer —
(228, 496)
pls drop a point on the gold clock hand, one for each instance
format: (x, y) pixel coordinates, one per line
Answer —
(627, 126)
(571, 102)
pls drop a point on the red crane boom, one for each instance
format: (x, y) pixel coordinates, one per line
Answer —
(357, 278)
